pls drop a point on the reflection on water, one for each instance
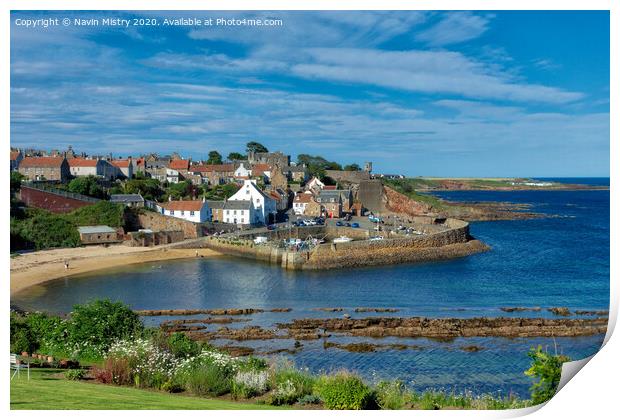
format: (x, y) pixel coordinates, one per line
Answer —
(531, 263)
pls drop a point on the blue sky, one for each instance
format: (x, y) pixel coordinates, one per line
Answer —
(420, 93)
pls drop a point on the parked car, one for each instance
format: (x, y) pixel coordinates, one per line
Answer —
(339, 223)
(348, 224)
(355, 225)
(271, 227)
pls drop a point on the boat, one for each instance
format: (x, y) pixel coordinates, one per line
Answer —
(342, 239)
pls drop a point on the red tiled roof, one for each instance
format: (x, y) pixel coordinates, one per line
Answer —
(14, 155)
(329, 187)
(260, 168)
(41, 162)
(75, 162)
(179, 164)
(120, 163)
(275, 195)
(186, 205)
(303, 198)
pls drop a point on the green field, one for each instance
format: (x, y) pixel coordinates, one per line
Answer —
(48, 390)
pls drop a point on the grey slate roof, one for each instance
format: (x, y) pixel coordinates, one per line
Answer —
(215, 204)
(96, 229)
(326, 196)
(126, 198)
(238, 205)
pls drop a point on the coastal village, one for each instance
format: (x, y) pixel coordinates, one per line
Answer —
(260, 189)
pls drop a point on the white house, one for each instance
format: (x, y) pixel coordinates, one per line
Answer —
(242, 171)
(315, 184)
(124, 168)
(301, 201)
(263, 205)
(95, 167)
(173, 176)
(191, 210)
(239, 212)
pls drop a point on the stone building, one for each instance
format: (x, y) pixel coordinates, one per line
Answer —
(271, 158)
(45, 168)
(95, 167)
(217, 210)
(93, 235)
(124, 167)
(331, 202)
(278, 179)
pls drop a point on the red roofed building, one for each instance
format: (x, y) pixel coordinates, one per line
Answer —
(192, 210)
(45, 168)
(259, 169)
(181, 165)
(124, 167)
(301, 201)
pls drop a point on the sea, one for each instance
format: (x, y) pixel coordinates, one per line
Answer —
(561, 259)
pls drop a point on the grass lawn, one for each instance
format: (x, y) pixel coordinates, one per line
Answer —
(47, 391)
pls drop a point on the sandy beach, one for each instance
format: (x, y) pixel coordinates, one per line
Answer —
(39, 267)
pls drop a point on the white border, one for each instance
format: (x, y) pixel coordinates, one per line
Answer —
(592, 394)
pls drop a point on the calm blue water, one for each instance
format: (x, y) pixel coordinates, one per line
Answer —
(561, 260)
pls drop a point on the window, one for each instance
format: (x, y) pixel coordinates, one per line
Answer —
(242, 220)
(247, 191)
(182, 212)
(234, 212)
(227, 211)
(171, 212)
(191, 213)
(258, 200)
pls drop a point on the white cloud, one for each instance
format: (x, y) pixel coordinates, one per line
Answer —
(454, 28)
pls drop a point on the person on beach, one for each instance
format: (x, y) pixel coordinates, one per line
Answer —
(66, 265)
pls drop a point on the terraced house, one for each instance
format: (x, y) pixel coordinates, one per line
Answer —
(45, 168)
(191, 210)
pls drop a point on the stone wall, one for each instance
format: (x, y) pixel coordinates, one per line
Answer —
(370, 194)
(449, 240)
(47, 200)
(159, 222)
(153, 238)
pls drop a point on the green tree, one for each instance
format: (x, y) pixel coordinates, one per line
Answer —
(16, 180)
(352, 167)
(86, 185)
(236, 156)
(317, 165)
(547, 369)
(148, 188)
(180, 190)
(255, 147)
(214, 158)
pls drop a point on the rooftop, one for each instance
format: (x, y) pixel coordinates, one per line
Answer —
(41, 162)
(179, 164)
(125, 198)
(184, 205)
(75, 162)
(121, 163)
(238, 205)
(96, 229)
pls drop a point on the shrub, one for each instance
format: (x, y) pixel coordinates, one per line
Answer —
(344, 391)
(75, 374)
(210, 380)
(22, 338)
(548, 369)
(391, 395)
(309, 399)
(209, 373)
(139, 363)
(290, 385)
(248, 384)
(96, 325)
(182, 346)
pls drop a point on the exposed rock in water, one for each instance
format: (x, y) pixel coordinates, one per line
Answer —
(378, 310)
(592, 313)
(281, 310)
(561, 311)
(329, 309)
(237, 351)
(472, 348)
(521, 309)
(221, 320)
(452, 327)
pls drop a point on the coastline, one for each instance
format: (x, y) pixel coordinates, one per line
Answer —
(39, 267)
